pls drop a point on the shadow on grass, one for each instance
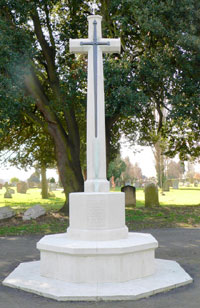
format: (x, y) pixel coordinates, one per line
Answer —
(53, 205)
(188, 188)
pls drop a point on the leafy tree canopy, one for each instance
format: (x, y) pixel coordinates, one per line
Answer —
(152, 87)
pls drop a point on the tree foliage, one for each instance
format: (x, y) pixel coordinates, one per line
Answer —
(132, 172)
(175, 170)
(152, 88)
(116, 167)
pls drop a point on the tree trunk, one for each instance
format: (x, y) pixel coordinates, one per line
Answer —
(69, 168)
(159, 164)
(67, 143)
(44, 183)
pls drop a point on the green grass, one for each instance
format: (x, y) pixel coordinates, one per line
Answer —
(179, 208)
(184, 196)
(181, 216)
(21, 202)
(34, 227)
(52, 222)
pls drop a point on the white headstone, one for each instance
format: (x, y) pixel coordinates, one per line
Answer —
(34, 212)
(6, 212)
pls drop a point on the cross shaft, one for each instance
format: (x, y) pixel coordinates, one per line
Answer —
(95, 44)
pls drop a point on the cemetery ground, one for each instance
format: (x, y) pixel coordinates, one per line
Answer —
(179, 208)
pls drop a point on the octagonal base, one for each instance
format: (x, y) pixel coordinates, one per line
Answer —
(75, 261)
(168, 275)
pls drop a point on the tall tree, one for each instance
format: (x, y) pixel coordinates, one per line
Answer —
(174, 170)
(116, 167)
(157, 69)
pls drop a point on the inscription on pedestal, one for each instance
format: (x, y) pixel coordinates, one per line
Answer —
(96, 217)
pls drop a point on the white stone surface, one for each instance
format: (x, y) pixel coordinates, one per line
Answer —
(97, 261)
(34, 212)
(168, 275)
(97, 216)
(96, 149)
(6, 212)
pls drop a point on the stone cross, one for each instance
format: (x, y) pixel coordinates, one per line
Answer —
(95, 45)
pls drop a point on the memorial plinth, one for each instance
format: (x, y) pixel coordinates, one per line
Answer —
(97, 258)
(97, 216)
(97, 261)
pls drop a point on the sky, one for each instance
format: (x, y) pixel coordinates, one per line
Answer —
(22, 175)
(144, 158)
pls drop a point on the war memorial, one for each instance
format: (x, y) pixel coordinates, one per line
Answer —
(97, 258)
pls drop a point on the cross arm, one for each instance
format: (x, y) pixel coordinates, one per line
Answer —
(76, 47)
(113, 47)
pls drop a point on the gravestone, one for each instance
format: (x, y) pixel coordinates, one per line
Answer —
(196, 183)
(166, 186)
(52, 186)
(175, 184)
(11, 191)
(7, 194)
(84, 263)
(130, 195)
(34, 212)
(32, 184)
(22, 187)
(137, 184)
(6, 212)
(1, 186)
(151, 195)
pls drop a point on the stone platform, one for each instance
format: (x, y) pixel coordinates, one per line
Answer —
(76, 261)
(168, 275)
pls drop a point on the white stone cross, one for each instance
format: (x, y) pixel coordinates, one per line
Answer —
(95, 45)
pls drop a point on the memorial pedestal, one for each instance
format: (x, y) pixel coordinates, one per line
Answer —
(97, 258)
(97, 216)
(97, 261)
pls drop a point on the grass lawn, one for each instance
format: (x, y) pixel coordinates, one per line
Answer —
(184, 196)
(52, 222)
(179, 208)
(21, 202)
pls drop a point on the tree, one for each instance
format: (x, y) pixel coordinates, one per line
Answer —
(159, 163)
(190, 172)
(166, 74)
(174, 170)
(52, 180)
(28, 146)
(197, 176)
(14, 180)
(47, 87)
(137, 172)
(41, 81)
(116, 167)
(132, 172)
(29, 32)
(35, 177)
